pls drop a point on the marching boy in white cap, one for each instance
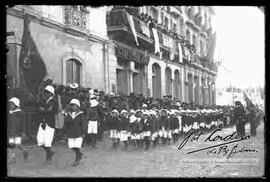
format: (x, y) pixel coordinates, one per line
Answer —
(75, 127)
(123, 127)
(93, 119)
(46, 129)
(16, 128)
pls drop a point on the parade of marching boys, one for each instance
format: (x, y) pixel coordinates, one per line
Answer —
(81, 117)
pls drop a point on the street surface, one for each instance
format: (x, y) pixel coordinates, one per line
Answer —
(162, 161)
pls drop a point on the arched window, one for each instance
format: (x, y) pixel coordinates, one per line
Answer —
(73, 71)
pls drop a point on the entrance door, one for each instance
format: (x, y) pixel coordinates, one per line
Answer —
(120, 81)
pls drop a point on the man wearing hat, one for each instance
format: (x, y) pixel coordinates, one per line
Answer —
(75, 127)
(239, 117)
(46, 129)
(16, 128)
(93, 120)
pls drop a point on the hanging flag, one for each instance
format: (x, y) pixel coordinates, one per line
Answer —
(180, 53)
(187, 53)
(173, 50)
(32, 66)
(184, 14)
(172, 55)
(170, 42)
(131, 24)
(165, 40)
(145, 29)
(156, 40)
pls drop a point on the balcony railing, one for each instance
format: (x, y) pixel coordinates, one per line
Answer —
(75, 16)
(117, 20)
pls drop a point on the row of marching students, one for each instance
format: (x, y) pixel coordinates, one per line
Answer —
(140, 128)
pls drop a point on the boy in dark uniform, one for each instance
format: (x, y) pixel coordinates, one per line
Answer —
(112, 122)
(123, 127)
(16, 128)
(175, 126)
(146, 129)
(75, 127)
(93, 119)
(46, 129)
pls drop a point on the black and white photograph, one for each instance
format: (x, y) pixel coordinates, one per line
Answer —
(135, 91)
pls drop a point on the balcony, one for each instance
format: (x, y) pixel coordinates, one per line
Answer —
(75, 16)
(119, 30)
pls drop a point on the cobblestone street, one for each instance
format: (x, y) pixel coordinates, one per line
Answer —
(162, 161)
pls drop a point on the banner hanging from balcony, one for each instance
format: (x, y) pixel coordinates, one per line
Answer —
(187, 54)
(156, 40)
(180, 53)
(131, 54)
(173, 50)
(131, 24)
(145, 29)
(166, 40)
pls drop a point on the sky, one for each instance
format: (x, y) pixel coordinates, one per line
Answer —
(240, 46)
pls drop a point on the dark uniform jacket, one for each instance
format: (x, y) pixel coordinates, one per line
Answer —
(112, 122)
(76, 127)
(16, 123)
(165, 122)
(175, 123)
(136, 127)
(146, 124)
(92, 114)
(153, 125)
(123, 124)
(49, 112)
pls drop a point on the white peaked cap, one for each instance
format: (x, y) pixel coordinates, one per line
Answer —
(115, 111)
(132, 111)
(93, 103)
(76, 102)
(50, 89)
(74, 85)
(144, 105)
(123, 111)
(15, 101)
(132, 119)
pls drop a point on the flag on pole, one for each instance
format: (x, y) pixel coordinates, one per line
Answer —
(131, 24)
(32, 67)
(156, 40)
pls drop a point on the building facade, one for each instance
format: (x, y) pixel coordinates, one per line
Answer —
(72, 41)
(152, 50)
(164, 50)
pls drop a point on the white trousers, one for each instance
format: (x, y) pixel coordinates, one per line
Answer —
(75, 142)
(15, 140)
(92, 127)
(45, 137)
(123, 135)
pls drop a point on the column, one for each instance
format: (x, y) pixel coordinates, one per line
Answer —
(163, 80)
